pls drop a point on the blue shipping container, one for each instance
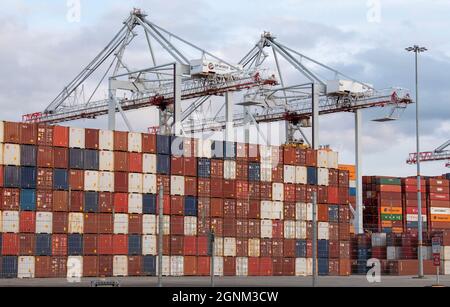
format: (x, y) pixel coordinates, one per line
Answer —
(75, 245)
(254, 172)
(333, 214)
(301, 248)
(9, 267)
(28, 155)
(352, 192)
(163, 145)
(323, 266)
(76, 158)
(149, 266)
(322, 249)
(217, 149)
(364, 253)
(190, 206)
(91, 202)
(149, 204)
(134, 245)
(28, 200)
(230, 150)
(312, 176)
(163, 164)
(43, 245)
(177, 146)
(204, 168)
(28, 177)
(60, 179)
(91, 160)
(11, 177)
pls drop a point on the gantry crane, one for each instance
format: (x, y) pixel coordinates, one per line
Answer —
(263, 87)
(439, 154)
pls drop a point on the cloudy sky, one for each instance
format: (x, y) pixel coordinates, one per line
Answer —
(41, 50)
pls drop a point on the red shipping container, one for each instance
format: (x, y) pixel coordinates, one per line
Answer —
(11, 199)
(167, 205)
(121, 182)
(254, 190)
(277, 229)
(217, 169)
(217, 188)
(229, 227)
(45, 135)
(120, 244)
(278, 174)
(135, 266)
(60, 157)
(27, 222)
(177, 225)
(217, 226)
(333, 195)
(277, 247)
(120, 141)
(322, 213)
(229, 189)
(253, 153)
(290, 211)
(277, 265)
(135, 224)
(177, 205)
(92, 138)
(266, 248)
(190, 266)
(253, 266)
(76, 180)
(176, 245)
(439, 197)
(254, 229)
(90, 244)
(105, 202)
(190, 186)
(44, 179)
(105, 223)
(190, 167)
(266, 191)
(60, 136)
(333, 231)
(242, 151)
(202, 245)
(265, 266)
(217, 207)
(438, 182)
(241, 247)
(290, 156)
(301, 193)
(12, 132)
(242, 228)
(242, 170)
(177, 166)
(90, 223)
(121, 162)
(1, 179)
(42, 267)
(120, 203)
(58, 267)
(165, 182)
(149, 143)
(242, 209)
(10, 244)
(289, 267)
(229, 266)
(45, 156)
(90, 266)
(27, 244)
(289, 193)
(242, 189)
(135, 162)
(28, 134)
(44, 201)
(76, 201)
(59, 245)
(229, 208)
(203, 226)
(190, 246)
(204, 187)
(105, 266)
(203, 266)
(255, 209)
(60, 222)
(204, 206)
(289, 248)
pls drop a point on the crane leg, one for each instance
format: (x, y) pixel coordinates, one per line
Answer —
(358, 221)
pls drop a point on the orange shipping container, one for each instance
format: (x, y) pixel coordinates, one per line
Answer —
(11, 132)
(60, 136)
(28, 134)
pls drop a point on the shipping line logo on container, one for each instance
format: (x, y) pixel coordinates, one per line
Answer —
(374, 273)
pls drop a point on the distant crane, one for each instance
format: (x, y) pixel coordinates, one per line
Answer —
(439, 154)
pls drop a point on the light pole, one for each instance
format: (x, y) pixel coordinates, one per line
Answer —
(416, 49)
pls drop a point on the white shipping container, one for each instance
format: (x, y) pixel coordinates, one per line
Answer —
(218, 266)
(301, 212)
(415, 218)
(445, 267)
(44, 222)
(301, 230)
(289, 174)
(266, 210)
(229, 247)
(242, 266)
(289, 230)
(277, 210)
(177, 185)
(278, 192)
(379, 239)
(106, 140)
(135, 183)
(323, 177)
(135, 203)
(74, 268)
(322, 158)
(165, 265)
(1, 154)
(301, 175)
(106, 161)
(120, 266)
(149, 184)
(394, 253)
(26, 267)
(149, 245)
(2, 131)
(254, 246)
(218, 247)
(323, 231)
(445, 252)
(149, 224)
(309, 212)
(10, 222)
(176, 266)
(149, 164)
(76, 137)
(166, 225)
(190, 226)
(11, 154)
(106, 182)
(229, 170)
(204, 148)
(120, 224)
(301, 267)
(134, 142)
(266, 172)
(76, 223)
(266, 229)
(91, 181)
(265, 153)
(333, 159)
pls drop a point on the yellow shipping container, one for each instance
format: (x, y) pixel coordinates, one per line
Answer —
(350, 168)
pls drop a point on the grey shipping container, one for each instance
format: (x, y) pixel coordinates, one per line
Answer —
(28, 155)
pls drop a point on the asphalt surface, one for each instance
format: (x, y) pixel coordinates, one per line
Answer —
(353, 281)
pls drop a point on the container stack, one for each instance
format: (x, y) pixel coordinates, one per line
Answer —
(410, 205)
(382, 199)
(84, 203)
(438, 203)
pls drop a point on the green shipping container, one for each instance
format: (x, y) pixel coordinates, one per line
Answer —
(389, 181)
(392, 217)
